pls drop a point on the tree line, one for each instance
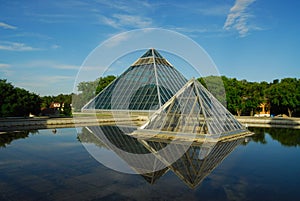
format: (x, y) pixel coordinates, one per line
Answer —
(17, 102)
(241, 97)
(291, 137)
(87, 90)
(65, 101)
(244, 97)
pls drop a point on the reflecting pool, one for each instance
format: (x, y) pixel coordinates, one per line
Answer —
(47, 165)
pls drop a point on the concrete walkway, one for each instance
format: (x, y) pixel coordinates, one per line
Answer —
(278, 122)
(13, 124)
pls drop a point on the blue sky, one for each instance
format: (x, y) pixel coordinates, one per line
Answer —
(44, 43)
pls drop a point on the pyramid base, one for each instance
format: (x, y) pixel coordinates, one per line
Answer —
(189, 137)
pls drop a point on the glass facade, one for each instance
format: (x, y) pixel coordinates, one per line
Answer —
(182, 106)
(146, 85)
(193, 109)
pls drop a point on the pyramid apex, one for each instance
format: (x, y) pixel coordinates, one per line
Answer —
(150, 57)
(152, 53)
(146, 85)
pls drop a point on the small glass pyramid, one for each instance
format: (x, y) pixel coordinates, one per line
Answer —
(193, 110)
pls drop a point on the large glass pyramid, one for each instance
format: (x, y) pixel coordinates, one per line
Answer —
(146, 85)
(193, 110)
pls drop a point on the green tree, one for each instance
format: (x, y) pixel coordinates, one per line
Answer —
(284, 96)
(254, 95)
(46, 101)
(244, 97)
(15, 101)
(290, 138)
(215, 85)
(104, 82)
(235, 95)
(65, 101)
(240, 97)
(88, 90)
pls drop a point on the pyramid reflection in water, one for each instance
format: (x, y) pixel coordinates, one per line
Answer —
(192, 167)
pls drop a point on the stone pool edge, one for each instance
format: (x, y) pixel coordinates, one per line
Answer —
(12, 124)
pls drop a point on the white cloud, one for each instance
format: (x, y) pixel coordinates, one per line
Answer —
(47, 85)
(110, 22)
(67, 67)
(51, 18)
(216, 10)
(7, 26)
(29, 35)
(238, 17)
(56, 78)
(14, 46)
(116, 40)
(126, 6)
(50, 64)
(195, 30)
(3, 66)
(5, 70)
(55, 46)
(44, 80)
(132, 20)
(123, 20)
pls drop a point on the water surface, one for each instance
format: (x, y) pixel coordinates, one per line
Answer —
(40, 165)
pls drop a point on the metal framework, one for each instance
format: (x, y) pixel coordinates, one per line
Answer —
(146, 85)
(193, 110)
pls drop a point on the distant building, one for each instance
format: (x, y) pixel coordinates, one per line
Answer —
(55, 105)
(53, 110)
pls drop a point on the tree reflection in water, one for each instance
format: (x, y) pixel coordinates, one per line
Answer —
(285, 136)
(7, 138)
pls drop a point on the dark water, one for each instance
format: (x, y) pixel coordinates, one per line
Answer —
(41, 165)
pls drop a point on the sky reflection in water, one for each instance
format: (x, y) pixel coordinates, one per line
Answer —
(47, 166)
